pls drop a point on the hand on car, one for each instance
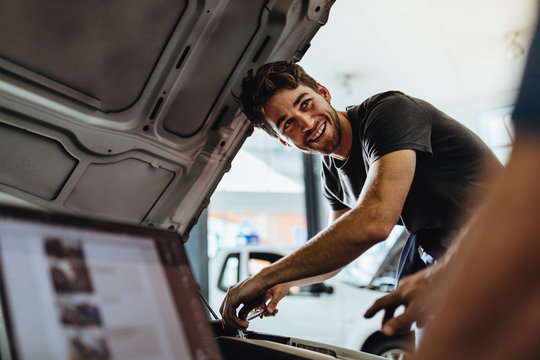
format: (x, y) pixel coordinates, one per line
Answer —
(248, 293)
(411, 292)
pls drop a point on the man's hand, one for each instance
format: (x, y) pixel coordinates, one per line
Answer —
(275, 294)
(250, 294)
(411, 292)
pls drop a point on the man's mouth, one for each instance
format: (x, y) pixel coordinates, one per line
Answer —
(318, 133)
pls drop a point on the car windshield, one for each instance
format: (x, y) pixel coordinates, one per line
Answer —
(361, 271)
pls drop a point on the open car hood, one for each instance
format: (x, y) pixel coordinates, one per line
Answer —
(123, 110)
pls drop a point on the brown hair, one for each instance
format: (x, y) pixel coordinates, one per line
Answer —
(259, 88)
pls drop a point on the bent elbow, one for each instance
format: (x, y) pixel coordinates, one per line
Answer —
(379, 232)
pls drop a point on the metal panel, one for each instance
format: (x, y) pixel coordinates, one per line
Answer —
(124, 190)
(140, 94)
(32, 163)
(80, 44)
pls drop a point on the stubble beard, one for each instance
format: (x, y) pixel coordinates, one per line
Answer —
(331, 146)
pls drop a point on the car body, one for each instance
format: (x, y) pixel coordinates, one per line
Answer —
(125, 111)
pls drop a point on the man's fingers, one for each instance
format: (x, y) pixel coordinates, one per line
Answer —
(228, 315)
(233, 321)
(277, 293)
(271, 308)
(252, 304)
(392, 299)
(273, 313)
(243, 313)
(246, 293)
(399, 324)
(388, 314)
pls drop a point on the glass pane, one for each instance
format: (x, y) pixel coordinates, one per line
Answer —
(230, 274)
(495, 128)
(361, 271)
(256, 265)
(261, 199)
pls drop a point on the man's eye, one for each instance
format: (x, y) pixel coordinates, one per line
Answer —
(286, 124)
(304, 104)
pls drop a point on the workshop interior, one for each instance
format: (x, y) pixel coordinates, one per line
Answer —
(119, 143)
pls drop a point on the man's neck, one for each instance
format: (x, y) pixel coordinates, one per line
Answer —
(344, 148)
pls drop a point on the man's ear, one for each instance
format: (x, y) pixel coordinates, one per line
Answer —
(324, 92)
(283, 142)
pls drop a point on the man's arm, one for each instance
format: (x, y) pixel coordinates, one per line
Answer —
(369, 222)
(488, 304)
(279, 291)
(334, 215)
(411, 292)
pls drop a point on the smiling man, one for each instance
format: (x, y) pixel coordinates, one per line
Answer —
(308, 122)
(392, 159)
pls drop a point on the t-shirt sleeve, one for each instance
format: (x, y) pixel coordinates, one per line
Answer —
(526, 114)
(395, 123)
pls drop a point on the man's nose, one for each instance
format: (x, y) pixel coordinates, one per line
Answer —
(306, 121)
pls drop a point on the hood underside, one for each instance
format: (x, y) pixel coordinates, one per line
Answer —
(123, 110)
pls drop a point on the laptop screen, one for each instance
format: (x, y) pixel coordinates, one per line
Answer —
(81, 289)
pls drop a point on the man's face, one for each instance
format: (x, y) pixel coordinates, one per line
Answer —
(304, 118)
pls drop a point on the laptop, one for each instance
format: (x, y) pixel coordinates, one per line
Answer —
(74, 288)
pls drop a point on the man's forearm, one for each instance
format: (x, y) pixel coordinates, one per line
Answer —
(313, 262)
(314, 279)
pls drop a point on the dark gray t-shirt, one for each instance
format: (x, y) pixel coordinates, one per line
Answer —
(526, 114)
(449, 167)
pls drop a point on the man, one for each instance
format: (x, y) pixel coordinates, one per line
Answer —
(391, 159)
(487, 303)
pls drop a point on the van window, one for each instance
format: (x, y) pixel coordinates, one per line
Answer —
(230, 273)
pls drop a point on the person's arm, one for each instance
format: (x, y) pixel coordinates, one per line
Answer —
(412, 292)
(488, 304)
(279, 291)
(334, 215)
(369, 222)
